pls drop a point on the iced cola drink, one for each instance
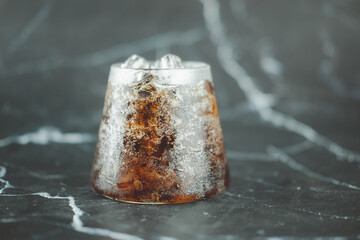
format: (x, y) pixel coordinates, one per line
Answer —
(160, 139)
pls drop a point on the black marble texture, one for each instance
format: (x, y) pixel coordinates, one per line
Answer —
(287, 80)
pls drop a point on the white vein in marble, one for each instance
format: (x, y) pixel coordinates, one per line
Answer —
(298, 147)
(77, 224)
(329, 66)
(5, 182)
(12, 220)
(262, 101)
(290, 162)
(47, 134)
(339, 217)
(45, 176)
(270, 65)
(25, 33)
(281, 155)
(166, 238)
(248, 198)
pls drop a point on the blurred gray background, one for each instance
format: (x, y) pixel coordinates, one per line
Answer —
(287, 83)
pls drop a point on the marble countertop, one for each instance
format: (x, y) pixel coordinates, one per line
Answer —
(286, 77)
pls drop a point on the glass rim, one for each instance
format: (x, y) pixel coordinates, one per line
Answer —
(188, 65)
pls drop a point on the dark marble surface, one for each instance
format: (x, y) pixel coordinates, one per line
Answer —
(287, 80)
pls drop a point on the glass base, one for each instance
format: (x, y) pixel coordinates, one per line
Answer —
(159, 203)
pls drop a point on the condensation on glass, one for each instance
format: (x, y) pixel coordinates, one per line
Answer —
(160, 139)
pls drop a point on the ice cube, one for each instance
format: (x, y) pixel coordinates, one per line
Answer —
(168, 61)
(135, 61)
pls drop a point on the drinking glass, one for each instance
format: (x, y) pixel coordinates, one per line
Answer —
(160, 139)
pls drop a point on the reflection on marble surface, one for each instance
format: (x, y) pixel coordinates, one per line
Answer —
(287, 85)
